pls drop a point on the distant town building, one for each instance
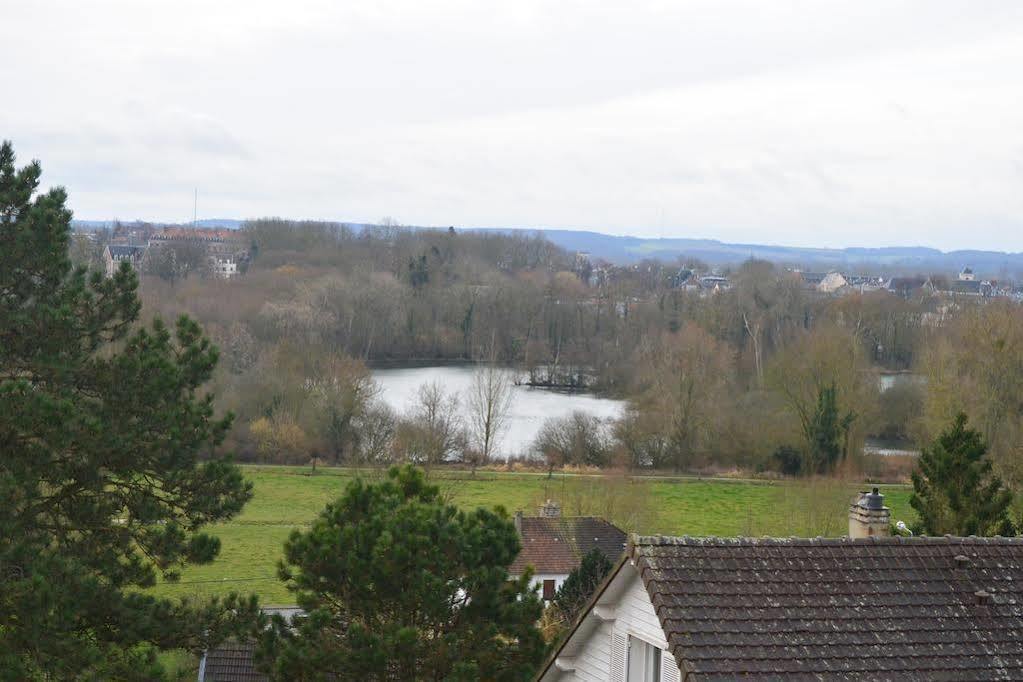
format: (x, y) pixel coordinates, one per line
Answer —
(832, 282)
(714, 283)
(224, 265)
(811, 280)
(682, 278)
(966, 275)
(115, 254)
(863, 284)
(226, 249)
(910, 287)
(970, 287)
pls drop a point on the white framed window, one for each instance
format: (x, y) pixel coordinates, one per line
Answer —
(644, 661)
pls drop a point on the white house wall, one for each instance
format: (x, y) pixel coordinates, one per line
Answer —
(635, 613)
(625, 610)
(558, 579)
(593, 663)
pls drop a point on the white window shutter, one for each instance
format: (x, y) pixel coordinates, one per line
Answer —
(669, 668)
(619, 653)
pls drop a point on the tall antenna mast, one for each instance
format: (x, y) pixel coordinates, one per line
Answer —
(195, 208)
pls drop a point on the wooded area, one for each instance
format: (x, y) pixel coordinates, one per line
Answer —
(764, 375)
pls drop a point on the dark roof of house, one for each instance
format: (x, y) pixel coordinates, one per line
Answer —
(972, 287)
(880, 608)
(125, 251)
(232, 662)
(554, 546)
(684, 275)
(907, 284)
(812, 277)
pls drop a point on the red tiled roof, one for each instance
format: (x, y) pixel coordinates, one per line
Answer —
(555, 546)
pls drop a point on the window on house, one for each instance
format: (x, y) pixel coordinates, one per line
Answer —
(644, 662)
(548, 590)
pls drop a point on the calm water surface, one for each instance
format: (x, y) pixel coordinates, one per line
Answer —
(530, 407)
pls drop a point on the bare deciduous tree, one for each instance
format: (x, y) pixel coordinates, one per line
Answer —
(438, 413)
(341, 396)
(376, 427)
(578, 439)
(433, 431)
(489, 405)
(827, 362)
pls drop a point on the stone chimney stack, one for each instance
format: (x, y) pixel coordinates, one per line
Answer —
(550, 510)
(518, 522)
(868, 517)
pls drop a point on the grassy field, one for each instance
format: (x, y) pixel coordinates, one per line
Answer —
(289, 497)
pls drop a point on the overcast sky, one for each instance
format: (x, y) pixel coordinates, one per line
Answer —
(807, 123)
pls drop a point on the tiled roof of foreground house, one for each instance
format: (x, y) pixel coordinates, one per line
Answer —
(557, 545)
(231, 662)
(234, 661)
(887, 608)
(904, 608)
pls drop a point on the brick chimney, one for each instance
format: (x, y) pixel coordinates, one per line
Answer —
(550, 510)
(868, 517)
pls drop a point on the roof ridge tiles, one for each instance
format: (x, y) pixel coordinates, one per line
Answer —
(717, 541)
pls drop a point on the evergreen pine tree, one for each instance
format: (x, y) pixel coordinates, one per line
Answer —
(102, 425)
(398, 585)
(826, 431)
(580, 584)
(954, 489)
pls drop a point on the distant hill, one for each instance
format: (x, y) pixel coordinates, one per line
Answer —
(624, 250)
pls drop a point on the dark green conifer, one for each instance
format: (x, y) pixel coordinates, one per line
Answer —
(399, 585)
(954, 489)
(580, 584)
(102, 428)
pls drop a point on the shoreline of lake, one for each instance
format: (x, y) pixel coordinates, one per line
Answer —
(531, 406)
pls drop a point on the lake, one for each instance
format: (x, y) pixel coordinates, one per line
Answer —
(530, 407)
(887, 380)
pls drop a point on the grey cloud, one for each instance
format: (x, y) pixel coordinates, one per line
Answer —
(795, 122)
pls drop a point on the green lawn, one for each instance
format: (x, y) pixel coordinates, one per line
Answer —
(288, 497)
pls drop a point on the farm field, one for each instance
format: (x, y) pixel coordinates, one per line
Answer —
(289, 497)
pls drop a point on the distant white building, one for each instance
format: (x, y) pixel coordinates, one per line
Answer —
(225, 265)
(967, 275)
(832, 282)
